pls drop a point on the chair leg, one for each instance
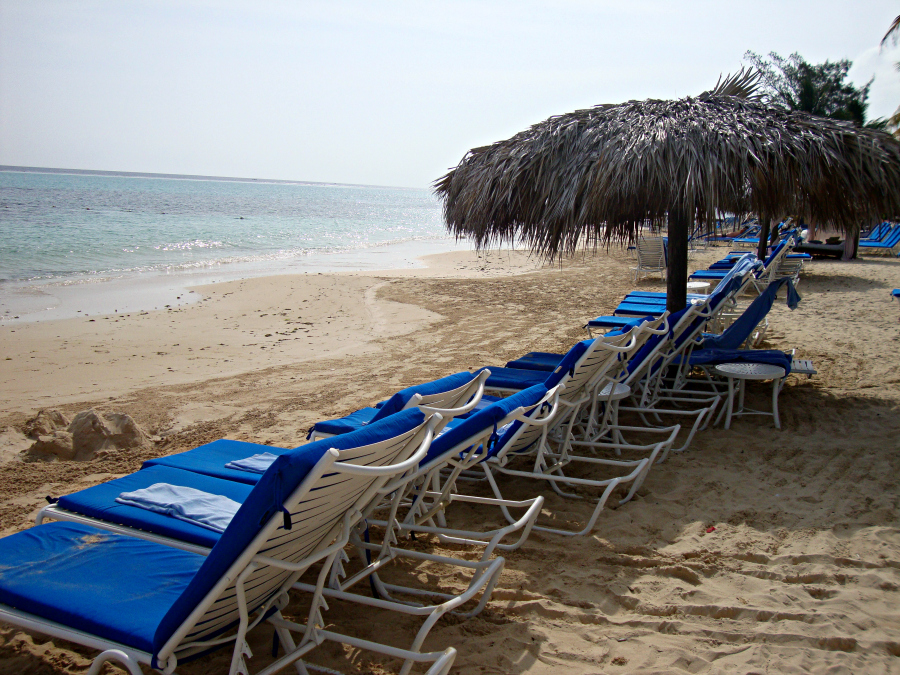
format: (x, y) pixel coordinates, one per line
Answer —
(730, 402)
(118, 656)
(775, 390)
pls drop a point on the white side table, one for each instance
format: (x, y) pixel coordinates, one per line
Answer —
(749, 371)
(697, 286)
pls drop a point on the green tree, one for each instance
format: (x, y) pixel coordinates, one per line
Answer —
(819, 89)
(893, 121)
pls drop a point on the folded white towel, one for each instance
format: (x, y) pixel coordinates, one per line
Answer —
(213, 512)
(255, 464)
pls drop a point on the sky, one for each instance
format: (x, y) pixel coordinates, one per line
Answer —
(375, 93)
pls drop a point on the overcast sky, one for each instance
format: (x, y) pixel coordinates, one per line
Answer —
(379, 93)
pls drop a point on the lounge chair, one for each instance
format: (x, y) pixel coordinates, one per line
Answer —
(877, 233)
(729, 346)
(890, 243)
(510, 424)
(547, 460)
(643, 377)
(419, 507)
(752, 239)
(140, 599)
(640, 303)
(204, 468)
(641, 389)
(773, 267)
(450, 396)
(651, 258)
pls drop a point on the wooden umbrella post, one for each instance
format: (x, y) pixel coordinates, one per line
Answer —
(677, 266)
(762, 247)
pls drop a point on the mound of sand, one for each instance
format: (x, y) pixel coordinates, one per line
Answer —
(87, 434)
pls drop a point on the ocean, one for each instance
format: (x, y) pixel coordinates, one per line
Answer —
(136, 241)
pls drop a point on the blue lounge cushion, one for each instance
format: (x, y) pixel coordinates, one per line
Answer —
(611, 322)
(393, 405)
(519, 378)
(399, 400)
(544, 361)
(516, 378)
(548, 361)
(459, 431)
(773, 357)
(100, 502)
(343, 425)
(709, 274)
(659, 296)
(640, 308)
(210, 459)
(116, 587)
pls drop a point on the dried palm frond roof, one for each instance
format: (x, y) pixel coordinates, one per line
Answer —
(598, 174)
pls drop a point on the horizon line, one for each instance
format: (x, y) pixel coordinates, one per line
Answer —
(185, 176)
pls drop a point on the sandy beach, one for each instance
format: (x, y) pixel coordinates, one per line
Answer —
(801, 572)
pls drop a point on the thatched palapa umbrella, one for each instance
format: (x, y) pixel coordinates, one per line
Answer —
(598, 175)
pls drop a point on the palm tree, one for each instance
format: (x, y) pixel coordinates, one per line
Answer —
(895, 26)
(893, 120)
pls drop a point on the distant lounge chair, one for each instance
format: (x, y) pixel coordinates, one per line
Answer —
(651, 258)
(877, 233)
(890, 243)
(774, 267)
(645, 303)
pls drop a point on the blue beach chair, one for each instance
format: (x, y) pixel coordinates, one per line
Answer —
(142, 600)
(727, 347)
(890, 243)
(202, 468)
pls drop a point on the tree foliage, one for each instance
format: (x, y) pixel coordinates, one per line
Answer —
(820, 89)
(893, 122)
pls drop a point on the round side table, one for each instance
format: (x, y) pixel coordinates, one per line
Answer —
(697, 286)
(749, 371)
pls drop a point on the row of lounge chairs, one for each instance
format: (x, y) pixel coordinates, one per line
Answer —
(886, 239)
(197, 549)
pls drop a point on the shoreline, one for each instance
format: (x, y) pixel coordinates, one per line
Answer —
(86, 295)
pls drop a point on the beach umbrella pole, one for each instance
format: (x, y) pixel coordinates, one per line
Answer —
(762, 247)
(677, 266)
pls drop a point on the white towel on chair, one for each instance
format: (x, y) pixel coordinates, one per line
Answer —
(213, 512)
(255, 464)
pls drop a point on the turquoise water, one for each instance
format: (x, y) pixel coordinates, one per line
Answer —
(64, 225)
(137, 241)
